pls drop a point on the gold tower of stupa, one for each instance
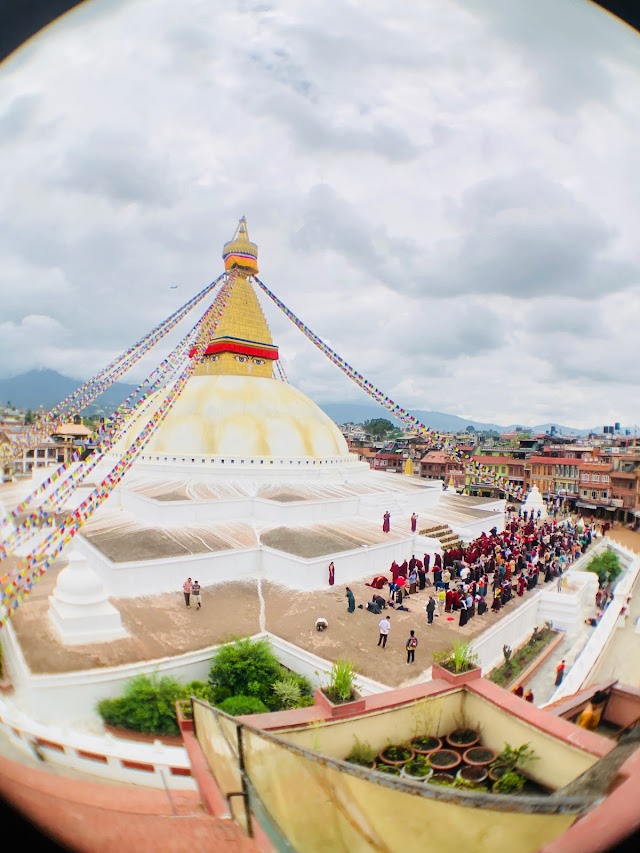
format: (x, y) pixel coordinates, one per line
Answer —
(242, 344)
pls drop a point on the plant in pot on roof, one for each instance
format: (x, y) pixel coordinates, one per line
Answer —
(464, 736)
(418, 768)
(362, 753)
(424, 744)
(395, 755)
(444, 759)
(510, 760)
(342, 685)
(458, 659)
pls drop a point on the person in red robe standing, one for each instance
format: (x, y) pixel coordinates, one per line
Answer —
(521, 585)
(414, 522)
(437, 562)
(332, 573)
(448, 601)
(386, 522)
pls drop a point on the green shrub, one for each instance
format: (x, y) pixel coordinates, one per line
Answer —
(147, 705)
(199, 689)
(240, 705)
(288, 693)
(245, 668)
(606, 566)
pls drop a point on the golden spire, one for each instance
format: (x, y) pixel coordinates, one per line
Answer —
(242, 344)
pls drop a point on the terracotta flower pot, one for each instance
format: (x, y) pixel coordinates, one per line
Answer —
(478, 756)
(444, 759)
(497, 772)
(396, 755)
(472, 773)
(463, 738)
(425, 745)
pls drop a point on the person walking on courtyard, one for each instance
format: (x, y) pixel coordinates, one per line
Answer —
(332, 573)
(431, 607)
(414, 522)
(186, 589)
(351, 599)
(560, 672)
(385, 626)
(195, 593)
(386, 522)
(441, 596)
(412, 645)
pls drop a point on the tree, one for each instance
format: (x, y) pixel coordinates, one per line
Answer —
(471, 428)
(378, 427)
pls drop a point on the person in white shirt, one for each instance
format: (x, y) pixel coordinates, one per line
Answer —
(321, 623)
(385, 626)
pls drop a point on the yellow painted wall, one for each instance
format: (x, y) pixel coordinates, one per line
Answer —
(395, 725)
(558, 762)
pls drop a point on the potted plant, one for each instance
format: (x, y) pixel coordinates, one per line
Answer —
(417, 768)
(362, 754)
(396, 755)
(342, 686)
(441, 778)
(424, 744)
(389, 769)
(458, 665)
(474, 774)
(516, 757)
(444, 759)
(510, 783)
(497, 771)
(463, 737)
(479, 756)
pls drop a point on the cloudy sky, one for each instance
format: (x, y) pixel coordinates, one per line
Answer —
(447, 192)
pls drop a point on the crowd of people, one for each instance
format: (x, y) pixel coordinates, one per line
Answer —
(491, 570)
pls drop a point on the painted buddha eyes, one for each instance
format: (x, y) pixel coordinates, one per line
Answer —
(243, 358)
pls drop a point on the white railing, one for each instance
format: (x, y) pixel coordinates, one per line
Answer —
(153, 765)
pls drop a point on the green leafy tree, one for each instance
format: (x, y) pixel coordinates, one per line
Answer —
(606, 566)
(378, 427)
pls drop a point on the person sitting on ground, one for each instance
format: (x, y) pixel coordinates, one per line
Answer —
(321, 623)
(528, 696)
(380, 601)
(519, 690)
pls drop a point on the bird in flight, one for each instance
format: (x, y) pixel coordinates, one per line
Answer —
(173, 287)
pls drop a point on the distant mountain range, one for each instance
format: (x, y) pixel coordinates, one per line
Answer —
(47, 388)
(343, 413)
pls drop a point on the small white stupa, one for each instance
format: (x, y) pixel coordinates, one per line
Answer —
(79, 608)
(534, 502)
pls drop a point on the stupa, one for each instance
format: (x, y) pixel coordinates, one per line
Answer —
(247, 477)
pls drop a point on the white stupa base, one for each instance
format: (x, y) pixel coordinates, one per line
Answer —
(79, 609)
(81, 625)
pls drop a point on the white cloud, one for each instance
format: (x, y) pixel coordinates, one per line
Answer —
(447, 190)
